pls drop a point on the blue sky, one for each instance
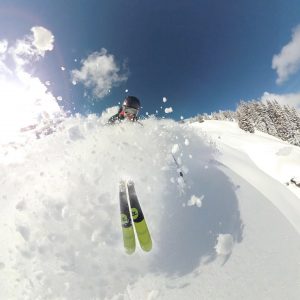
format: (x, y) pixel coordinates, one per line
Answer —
(203, 55)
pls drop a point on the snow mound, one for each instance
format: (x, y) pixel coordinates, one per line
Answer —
(61, 230)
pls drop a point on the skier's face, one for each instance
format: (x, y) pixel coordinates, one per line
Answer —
(130, 113)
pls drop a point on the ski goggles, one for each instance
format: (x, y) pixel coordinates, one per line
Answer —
(130, 110)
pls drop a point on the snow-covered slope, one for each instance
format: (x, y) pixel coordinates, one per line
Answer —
(277, 159)
(231, 231)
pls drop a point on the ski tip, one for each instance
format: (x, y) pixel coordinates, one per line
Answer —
(130, 182)
(129, 251)
(147, 247)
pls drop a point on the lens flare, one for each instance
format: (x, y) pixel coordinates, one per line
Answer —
(22, 103)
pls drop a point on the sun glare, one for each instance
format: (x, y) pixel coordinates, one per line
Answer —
(22, 102)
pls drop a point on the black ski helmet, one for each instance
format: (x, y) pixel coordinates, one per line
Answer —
(133, 102)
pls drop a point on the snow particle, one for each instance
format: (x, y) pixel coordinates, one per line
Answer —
(185, 169)
(165, 99)
(175, 148)
(63, 68)
(195, 201)
(95, 236)
(225, 244)
(64, 212)
(186, 142)
(126, 91)
(59, 98)
(179, 161)
(48, 83)
(180, 181)
(74, 82)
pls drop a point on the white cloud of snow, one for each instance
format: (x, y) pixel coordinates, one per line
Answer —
(292, 99)
(43, 39)
(23, 97)
(287, 62)
(32, 47)
(99, 72)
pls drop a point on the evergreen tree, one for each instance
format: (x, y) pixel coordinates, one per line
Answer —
(294, 124)
(280, 121)
(200, 119)
(262, 122)
(245, 121)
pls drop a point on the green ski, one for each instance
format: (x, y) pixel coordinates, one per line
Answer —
(140, 224)
(127, 228)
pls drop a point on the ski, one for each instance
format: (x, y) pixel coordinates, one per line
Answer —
(140, 224)
(127, 228)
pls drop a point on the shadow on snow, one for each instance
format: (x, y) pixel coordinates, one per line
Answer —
(189, 234)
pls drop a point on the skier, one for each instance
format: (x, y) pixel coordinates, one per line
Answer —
(128, 111)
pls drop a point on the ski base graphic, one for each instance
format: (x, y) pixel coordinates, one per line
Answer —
(127, 228)
(140, 224)
(136, 216)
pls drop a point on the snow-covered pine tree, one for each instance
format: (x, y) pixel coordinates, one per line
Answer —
(245, 120)
(229, 115)
(295, 117)
(275, 115)
(260, 122)
(252, 111)
(294, 124)
(200, 119)
(282, 122)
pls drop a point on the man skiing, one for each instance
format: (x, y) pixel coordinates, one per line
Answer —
(128, 111)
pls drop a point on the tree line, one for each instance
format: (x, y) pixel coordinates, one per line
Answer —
(270, 117)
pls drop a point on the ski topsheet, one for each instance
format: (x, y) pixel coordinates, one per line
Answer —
(133, 213)
(140, 224)
(127, 229)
